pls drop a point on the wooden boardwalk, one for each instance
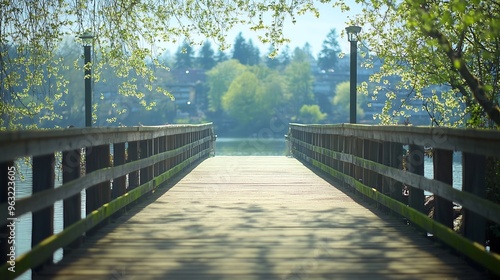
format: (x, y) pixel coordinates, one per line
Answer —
(257, 218)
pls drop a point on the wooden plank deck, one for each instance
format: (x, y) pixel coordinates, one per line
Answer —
(257, 218)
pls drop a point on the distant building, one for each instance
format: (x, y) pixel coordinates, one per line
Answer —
(188, 91)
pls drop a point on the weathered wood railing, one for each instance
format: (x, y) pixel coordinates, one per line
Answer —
(386, 163)
(143, 158)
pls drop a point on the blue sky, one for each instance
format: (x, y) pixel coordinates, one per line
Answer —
(309, 29)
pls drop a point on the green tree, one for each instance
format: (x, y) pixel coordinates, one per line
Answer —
(438, 43)
(206, 56)
(299, 79)
(240, 100)
(311, 114)
(221, 56)
(128, 36)
(329, 54)
(184, 57)
(271, 61)
(219, 79)
(245, 52)
(241, 49)
(424, 42)
(341, 103)
(253, 98)
(253, 54)
(284, 57)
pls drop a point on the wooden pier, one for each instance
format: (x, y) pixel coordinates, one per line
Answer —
(257, 218)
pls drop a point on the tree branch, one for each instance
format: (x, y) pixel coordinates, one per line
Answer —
(475, 85)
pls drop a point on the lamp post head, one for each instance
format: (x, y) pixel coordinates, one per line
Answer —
(352, 33)
(87, 38)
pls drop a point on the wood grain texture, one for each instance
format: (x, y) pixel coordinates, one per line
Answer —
(257, 218)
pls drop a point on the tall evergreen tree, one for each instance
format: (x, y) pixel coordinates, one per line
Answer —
(240, 49)
(205, 57)
(253, 53)
(271, 62)
(184, 57)
(221, 56)
(285, 57)
(329, 54)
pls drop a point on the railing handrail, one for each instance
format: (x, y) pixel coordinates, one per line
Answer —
(475, 141)
(22, 143)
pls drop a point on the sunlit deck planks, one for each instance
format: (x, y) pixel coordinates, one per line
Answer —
(257, 218)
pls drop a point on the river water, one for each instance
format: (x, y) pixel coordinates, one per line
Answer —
(224, 147)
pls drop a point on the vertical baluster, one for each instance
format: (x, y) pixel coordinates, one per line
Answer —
(392, 157)
(156, 150)
(145, 152)
(97, 157)
(415, 164)
(7, 170)
(162, 148)
(119, 184)
(43, 220)
(473, 181)
(72, 206)
(133, 155)
(443, 171)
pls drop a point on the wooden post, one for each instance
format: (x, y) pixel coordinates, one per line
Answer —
(386, 160)
(443, 171)
(345, 150)
(392, 157)
(169, 147)
(72, 206)
(145, 148)
(8, 172)
(358, 152)
(43, 220)
(380, 159)
(96, 196)
(120, 183)
(473, 181)
(397, 162)
(163, 148)
(335, 147)
(156, 150)
(327, 143)
(133, 155)
(415, 164)
(371, 153)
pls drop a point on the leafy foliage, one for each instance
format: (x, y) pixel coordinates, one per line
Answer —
(128, 37)
(341, 102)
(451, 44)
(299, 80)
(184, 57)
(311, 114)
(206, 59)
(219, 81)
(438, 43)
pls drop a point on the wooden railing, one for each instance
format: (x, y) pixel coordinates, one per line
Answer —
(386, 163)
(120, 165)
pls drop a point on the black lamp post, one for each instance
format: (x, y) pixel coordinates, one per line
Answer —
(352, 36)
(87, 39)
